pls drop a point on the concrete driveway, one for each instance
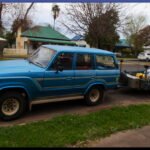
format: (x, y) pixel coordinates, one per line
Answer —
(131, 138)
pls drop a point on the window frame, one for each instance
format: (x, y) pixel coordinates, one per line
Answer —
(115, 63)
(84, 53)
(51, 69)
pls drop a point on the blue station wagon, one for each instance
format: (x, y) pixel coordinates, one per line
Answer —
(56, 73)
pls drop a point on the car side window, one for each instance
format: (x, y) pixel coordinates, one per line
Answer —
(105, 62)
(65, 60)
(84, 62)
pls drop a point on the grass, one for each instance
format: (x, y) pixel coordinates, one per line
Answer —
(72, 129)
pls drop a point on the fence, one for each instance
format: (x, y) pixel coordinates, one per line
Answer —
(10, 52)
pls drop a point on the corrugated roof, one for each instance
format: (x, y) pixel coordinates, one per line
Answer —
(52, 41)
(44, 32)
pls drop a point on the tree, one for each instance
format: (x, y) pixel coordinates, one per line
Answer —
(102, 31)
(143, 37)
(3, 9)
(1, 26)
(97, 21)
(131, 29)
(55, 10)
(10, 38)
(20, 19)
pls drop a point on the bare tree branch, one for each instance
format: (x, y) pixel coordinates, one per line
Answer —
(28, 9)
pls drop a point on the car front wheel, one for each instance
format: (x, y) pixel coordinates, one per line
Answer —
(94, 96)
(12, 105)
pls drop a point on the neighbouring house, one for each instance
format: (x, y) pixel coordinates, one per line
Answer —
(122, 44)
(80, 41)
(146, 48)
(39, 35)
(30, 40)
(123, 47)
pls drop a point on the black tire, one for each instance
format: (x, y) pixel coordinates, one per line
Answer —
(7, 101)
(88, 97)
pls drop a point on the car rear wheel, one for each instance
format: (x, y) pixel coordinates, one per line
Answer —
(94, 96)
(12, 105)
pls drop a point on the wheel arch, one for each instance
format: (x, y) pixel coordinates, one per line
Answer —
(95, 84)
(19, 89)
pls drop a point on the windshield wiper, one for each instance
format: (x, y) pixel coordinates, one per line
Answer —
(39, 64)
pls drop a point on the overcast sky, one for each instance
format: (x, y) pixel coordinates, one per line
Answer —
(43, 15)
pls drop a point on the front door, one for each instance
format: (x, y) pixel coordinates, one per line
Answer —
(59, 82)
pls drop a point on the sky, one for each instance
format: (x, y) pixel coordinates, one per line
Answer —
(42, 14)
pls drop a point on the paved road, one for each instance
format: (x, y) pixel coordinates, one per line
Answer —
(134, 66)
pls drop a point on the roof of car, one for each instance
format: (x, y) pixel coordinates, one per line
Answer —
(77, 49)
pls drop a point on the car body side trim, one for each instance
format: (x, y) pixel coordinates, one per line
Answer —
(56, 99)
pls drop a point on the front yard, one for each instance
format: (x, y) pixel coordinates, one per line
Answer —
(69, 130)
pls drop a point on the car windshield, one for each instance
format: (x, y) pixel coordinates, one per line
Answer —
(41, 56)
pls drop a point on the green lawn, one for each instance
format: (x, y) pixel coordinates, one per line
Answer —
(70, 129)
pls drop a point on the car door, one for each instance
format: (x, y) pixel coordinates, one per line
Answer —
(84, 71)
(107, 70)
(59, 82)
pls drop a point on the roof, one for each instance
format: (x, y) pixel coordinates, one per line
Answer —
(46, 32)
(78, 37)
(123, 43)
(52, 41)
(77, 49)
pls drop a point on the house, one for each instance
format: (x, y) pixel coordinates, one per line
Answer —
(39, 35)
(123, 48)
(122, 44)
(80, 41)
(146, 48)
